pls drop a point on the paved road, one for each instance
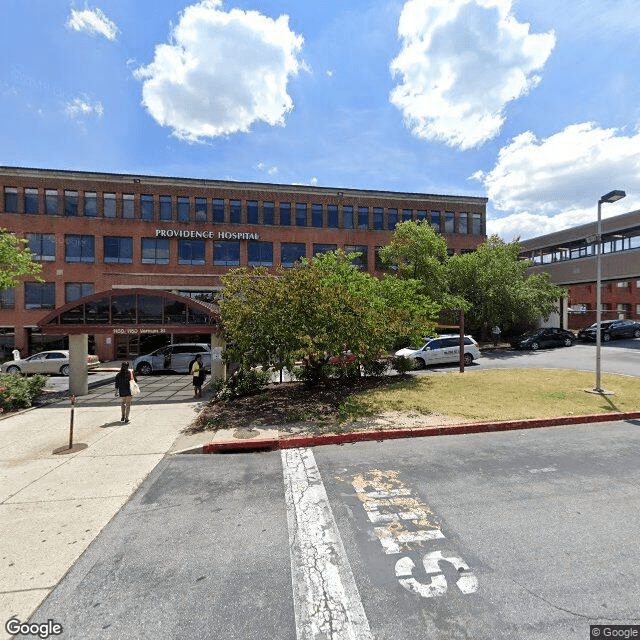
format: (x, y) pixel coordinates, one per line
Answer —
(526, 535)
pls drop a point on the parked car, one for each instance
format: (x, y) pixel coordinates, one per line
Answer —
(611, 329)
(445, 348)
(173, 357)
(541, 338)
(46, 362)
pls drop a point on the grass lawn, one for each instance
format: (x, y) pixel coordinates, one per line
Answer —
(502, 394)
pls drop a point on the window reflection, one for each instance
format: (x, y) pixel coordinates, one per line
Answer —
(123, 309)
(150, 309)
(97, 311)
(175, 312)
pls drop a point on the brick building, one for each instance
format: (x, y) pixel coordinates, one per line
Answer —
(569, 256)
(95, 232)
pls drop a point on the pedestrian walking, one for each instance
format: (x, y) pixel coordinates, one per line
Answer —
(197, 373)
(124, 379)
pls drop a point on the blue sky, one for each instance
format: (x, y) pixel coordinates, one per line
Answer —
(532, 103)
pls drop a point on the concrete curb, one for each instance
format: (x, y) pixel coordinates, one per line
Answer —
(232, 445)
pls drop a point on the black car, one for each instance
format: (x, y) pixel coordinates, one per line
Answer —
(539, 338)
(611, 329)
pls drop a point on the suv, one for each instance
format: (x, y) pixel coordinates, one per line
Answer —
(173, 357)
(443, 349)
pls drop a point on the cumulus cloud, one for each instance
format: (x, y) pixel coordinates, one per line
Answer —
(461, 63)
(81, 108)
(221, 72)
(94, 22)
(554, 183)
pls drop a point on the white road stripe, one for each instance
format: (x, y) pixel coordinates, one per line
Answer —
(326, 600)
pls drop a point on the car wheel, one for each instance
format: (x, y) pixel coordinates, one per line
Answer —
(606, 337)
(64, 370)
(13, 369)
(144, 369)
(636, 333)
(468, 359)
(568, 342)
(421, 363)
(534, 346)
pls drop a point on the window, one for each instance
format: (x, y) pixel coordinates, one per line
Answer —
(476, 224)
(435, 220)
(268, 212)
(378, 218)
(39, 295)
(463, 224)
(316, 216)
(166, 211)
(624, 308)
(323, 248)
(218, 210)
(449, 220)
(155, 250)
(235, 211)
(363, 217)
(109, 200)
(622, 284)
(201, 209)
(90, 204)
(252, 212)
(301, 214)
(118, 249)
(407, 214)
(8, 298)
(51, 202)
(393, 219)
(11, 200)
(285, 214)
(379, 265)
(422, 215)
(638, 309)
(260, 254)
(361, 261)
(70, 203)
(128, 205)
(43, 246)
(146, 207)
(75, 290)
(291, 252)
(183, 209)
(79, 248)
(347, 216)
(226, 253)
(191, 252)
(31, 201)
(332, 216)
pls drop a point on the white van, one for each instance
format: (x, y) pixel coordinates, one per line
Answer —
(173, 357)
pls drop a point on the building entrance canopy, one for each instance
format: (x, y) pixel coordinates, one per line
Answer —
(134, 311)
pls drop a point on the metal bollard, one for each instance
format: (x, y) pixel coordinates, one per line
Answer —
(73, 404)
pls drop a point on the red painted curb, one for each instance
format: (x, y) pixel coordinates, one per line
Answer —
(292, 442)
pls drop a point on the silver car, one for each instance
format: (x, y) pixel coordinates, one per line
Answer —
(173, 357)
(46, 362)
(443, 349)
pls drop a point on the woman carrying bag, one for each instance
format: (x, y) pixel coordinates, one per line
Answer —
(126, 388)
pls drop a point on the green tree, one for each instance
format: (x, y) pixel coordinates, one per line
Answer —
(15, 260)
(494, 282)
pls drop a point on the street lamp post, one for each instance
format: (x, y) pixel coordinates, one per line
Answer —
(612, 196)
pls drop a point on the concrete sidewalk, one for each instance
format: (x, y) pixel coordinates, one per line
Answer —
(53, 505)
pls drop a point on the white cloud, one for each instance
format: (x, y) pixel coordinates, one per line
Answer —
(554, 183)
(461, 63)
(222, 72)
(93, 21)
(82, 107)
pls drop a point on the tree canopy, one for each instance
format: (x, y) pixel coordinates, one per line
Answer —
(15, 260)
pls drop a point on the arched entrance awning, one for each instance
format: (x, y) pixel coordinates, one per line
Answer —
(134, 311)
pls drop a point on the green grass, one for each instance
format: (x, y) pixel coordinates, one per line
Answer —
(501, 394)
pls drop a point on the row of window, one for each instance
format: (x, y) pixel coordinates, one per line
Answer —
(226, 253)
(608, 245)
(42, 295)
(220, 211)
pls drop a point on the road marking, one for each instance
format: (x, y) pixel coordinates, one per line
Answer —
(389, 501)
(326, 600)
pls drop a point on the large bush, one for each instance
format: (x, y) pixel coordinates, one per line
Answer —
(18, 392)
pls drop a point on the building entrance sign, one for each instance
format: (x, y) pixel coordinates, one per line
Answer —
(211, 235)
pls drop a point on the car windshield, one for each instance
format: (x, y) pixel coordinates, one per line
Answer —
(604, 324)
(528, 334)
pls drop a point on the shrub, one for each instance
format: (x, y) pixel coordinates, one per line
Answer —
(375, 368)
(243, 382)
(402, 364)
(18, 392)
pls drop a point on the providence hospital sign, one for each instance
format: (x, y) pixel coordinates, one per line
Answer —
(212, 235)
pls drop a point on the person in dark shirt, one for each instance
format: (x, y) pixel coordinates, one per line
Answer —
(123, 389)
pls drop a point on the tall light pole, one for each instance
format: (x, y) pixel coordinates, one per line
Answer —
(612, 196)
